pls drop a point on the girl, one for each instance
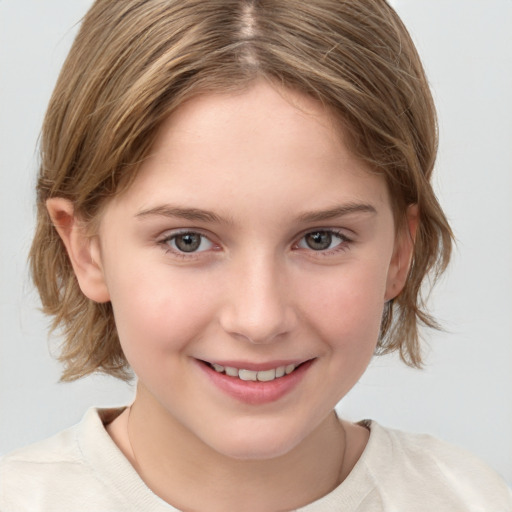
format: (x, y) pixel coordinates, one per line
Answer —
(235, 205)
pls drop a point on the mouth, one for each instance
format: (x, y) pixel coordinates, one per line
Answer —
(254, 375)
(256, 383)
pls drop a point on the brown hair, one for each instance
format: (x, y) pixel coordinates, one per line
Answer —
(133, 62)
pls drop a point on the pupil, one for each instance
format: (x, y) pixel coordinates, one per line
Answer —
(188, 242)
(319, 241)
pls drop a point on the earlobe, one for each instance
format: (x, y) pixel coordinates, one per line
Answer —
(402, 255)
(83, 250)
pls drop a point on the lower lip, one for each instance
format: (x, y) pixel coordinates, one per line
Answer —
(255, 392)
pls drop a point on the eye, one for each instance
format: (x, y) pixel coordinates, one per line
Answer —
(321, 240)
(188, 242)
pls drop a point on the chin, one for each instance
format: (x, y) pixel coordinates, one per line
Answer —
(258, 443)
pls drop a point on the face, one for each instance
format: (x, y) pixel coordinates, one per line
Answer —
(252, 244)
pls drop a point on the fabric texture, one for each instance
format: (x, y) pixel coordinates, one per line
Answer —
(81, 468)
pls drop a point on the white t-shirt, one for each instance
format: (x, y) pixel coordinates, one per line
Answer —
(81, 468)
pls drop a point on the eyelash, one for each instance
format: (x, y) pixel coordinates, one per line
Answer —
(343, 245)
(165, 243)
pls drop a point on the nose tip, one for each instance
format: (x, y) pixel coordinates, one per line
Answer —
(259, 309)
(258, 328)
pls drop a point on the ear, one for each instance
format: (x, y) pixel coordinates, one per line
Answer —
(402, 254)
(82, 248)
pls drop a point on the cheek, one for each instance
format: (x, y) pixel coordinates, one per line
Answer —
(157, 313)
(348, 307)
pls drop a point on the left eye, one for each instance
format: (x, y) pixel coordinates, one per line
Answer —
(321, 240)
(189, 242)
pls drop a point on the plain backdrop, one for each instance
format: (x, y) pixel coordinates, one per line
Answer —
(464, 395)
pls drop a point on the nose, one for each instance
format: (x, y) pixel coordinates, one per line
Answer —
(258, 305)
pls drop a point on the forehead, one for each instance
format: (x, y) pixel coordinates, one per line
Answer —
(261, 116)
(256, 148)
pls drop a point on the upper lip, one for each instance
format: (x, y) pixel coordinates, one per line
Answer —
(257, 367)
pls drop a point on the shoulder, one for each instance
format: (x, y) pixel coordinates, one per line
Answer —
(428, 452)
(419, 465)
(56, 453)
(44, 473)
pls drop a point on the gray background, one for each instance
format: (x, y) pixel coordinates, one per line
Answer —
(465, 393)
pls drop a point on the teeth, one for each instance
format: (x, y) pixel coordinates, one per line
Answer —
(232, 372)
(251, 375)
(289, 368)
(266, 375)
(247, 375)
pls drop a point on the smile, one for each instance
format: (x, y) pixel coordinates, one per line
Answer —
(256, 383)
(252, 375)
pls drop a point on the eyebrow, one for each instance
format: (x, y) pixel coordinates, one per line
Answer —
(198, 214)
(194, 214)
(338, 211)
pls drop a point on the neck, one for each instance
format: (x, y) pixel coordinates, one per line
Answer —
(190, 475)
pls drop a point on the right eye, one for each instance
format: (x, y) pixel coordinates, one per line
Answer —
(187, 242)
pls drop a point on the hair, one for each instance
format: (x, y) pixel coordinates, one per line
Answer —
(134, 62)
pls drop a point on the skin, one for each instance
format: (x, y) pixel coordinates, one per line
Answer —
(268, 164)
